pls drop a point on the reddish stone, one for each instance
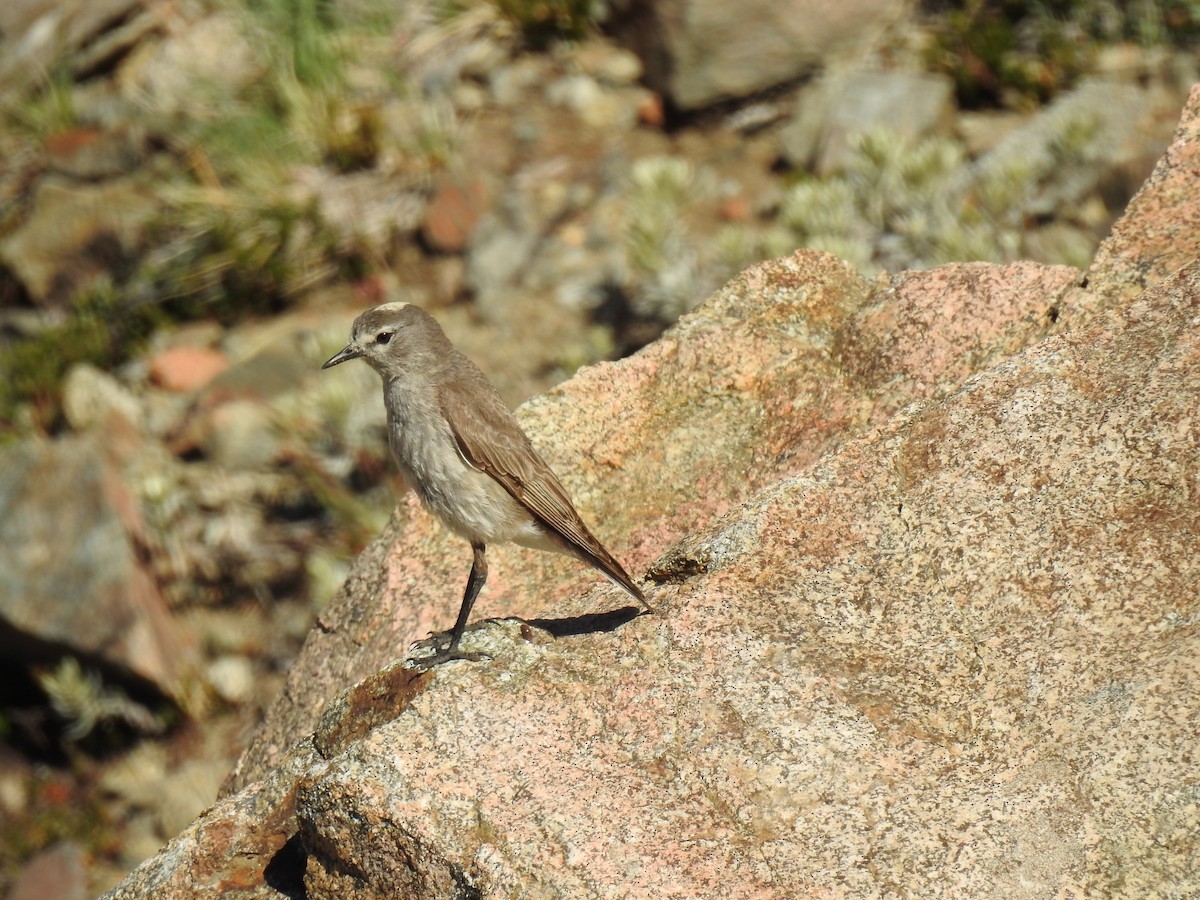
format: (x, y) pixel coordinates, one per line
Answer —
(650, 111)
(185, 369)
(65, 144)
(91, 152)
(370, 291)
(453, 213)
(735, 208)
(59, 872)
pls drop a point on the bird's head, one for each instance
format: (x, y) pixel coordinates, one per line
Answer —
(393, 337)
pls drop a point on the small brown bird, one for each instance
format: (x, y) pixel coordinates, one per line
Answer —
(462, 451)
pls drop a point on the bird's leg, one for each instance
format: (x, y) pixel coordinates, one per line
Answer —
(475, 583)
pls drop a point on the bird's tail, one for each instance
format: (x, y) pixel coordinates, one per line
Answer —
(606, 565)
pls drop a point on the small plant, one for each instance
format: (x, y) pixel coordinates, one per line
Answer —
(993, 59)
(437, 135)
(240, 235)
(49, 109)
(672, 265)
(661, 250)
(544, 21)
(95, 330)
(901, 205)
(226, 254)
(84, 703)
(1023, 53)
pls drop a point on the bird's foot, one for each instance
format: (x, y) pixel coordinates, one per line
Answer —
(425, 663)
(443, 650)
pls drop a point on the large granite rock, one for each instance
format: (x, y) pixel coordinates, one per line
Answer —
(73, 576)
(75, 233)
(833, 113)
(776, 370)
(1160, 230)
(698, 52)
(923, 555)
(959, 648)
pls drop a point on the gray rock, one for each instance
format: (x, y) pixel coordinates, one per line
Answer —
(597, 107)
(500, 252)
(511, 84)
(232, 677)
(608, 64)
(58, 872)
(94, 399)
(197, 69)
(71, 573)
(1067, 148)
(34, 34)
(240, 434)
(700, 51)
(834, 112)
(76, 232)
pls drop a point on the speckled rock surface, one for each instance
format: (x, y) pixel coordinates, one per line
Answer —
(1160, 230)
(242, 847)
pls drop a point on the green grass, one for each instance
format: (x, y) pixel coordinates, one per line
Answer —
(49, 109)
(1024, 52)
(236, 239)
(544, 21)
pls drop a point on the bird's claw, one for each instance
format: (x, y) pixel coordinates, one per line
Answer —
(443, 651)
(437, 641)
(425, 663)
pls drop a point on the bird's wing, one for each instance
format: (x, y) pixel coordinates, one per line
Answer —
(490, 439)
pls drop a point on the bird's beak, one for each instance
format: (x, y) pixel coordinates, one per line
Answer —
(347, 352)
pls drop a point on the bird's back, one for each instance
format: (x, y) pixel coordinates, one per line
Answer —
(490, 439)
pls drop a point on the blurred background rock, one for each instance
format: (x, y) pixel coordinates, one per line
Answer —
(197, 196)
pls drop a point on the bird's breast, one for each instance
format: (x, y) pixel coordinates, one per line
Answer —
(469, 502)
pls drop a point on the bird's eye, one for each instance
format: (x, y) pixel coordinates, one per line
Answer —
(383, 337)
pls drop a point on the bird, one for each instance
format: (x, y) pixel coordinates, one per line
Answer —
(459, 447)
